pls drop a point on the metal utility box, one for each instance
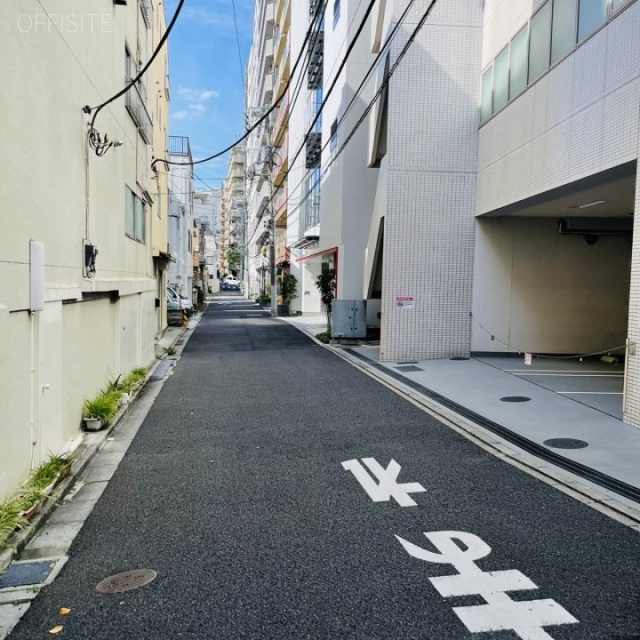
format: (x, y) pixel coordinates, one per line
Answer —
(349, 319)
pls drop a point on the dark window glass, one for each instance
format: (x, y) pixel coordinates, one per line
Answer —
(486, 99)
(334, 135)
(563, 30)
(518, 67)
(540, 42)
(592, 14)
(336, 12)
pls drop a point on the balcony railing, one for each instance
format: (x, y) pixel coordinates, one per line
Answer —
(179, 146)
(135, 102)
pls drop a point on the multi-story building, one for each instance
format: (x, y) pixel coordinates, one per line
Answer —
(81, 256)
(260, 91)
(556, 269)
(233, 213)
(181, 215)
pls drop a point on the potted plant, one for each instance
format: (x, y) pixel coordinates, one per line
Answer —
(288, 292)
(101, 410)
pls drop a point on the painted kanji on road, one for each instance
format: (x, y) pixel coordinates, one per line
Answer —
(387, 487)
(501, 613)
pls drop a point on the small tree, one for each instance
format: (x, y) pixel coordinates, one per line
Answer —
(234, 257)
(326, 284)
(288, 287)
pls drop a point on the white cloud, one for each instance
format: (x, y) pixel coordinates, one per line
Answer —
(197, 95)
(198, 109)
(180, 115)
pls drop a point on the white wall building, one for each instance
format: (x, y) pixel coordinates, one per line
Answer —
(181, 215)
(92, 325)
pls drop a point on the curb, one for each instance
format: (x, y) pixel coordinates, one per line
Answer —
(591, 495)
(90, 446)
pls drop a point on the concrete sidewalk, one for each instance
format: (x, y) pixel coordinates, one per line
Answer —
(573, 437)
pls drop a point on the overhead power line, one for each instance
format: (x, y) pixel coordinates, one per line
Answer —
(369, 106)
(96, 110)
(267, 113)
(371, 69)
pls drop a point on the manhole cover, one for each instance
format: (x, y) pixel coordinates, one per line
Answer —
(409, 367)
(566, 443)
(179, 342)
(515, 399)
(458, 358)
(126, 581)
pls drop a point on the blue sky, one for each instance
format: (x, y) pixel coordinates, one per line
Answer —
(207, 92)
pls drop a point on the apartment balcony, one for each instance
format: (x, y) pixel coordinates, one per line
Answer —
(281, 202)
(280, 172)
(135, 103)
(267, 88)
(281, 122)
(283, 253)
(282, 44)
(282, 7)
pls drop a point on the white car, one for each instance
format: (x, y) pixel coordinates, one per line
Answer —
(231, 283)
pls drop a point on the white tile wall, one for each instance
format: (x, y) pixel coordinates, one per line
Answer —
(428, 252)
(585, 119)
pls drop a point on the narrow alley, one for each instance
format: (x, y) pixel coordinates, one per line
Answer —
(248, 491)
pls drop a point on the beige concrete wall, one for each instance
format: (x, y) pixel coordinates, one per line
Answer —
(539, 291)
(54, 192)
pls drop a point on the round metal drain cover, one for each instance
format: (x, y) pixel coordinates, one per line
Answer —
(566, 443)
(515, 399)
(458, 358)
(126, 581)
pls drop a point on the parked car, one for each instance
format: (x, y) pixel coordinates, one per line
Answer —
(182, 301)
(230, 283)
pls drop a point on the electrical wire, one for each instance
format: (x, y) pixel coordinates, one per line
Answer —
(269, 111)
(96, 110)
(370, 105)
(235, 21)
(543, 356)
(372, 68)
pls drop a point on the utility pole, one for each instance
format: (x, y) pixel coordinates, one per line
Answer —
(272, 252)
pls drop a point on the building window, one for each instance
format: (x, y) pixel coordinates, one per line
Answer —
(501, 79)
(563, 32)
(540, 42)
(518, 69)
(591, 15)
(134, 216)
(336, 12)
(333, 142)
(486, 99)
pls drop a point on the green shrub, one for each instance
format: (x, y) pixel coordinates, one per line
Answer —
(104, 407)
(324, 336)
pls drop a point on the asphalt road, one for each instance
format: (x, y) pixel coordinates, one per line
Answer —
(234, 491)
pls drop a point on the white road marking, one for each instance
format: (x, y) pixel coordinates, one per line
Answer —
(590, 393)
(501, 613)
(387, 486)
(572, 375)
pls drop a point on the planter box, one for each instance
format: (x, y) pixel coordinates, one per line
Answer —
(93, 424)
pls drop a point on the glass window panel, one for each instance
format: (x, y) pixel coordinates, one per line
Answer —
(563, 31)
(501, 79)
(592, 14)
(540, 42)
(139, 220)
(619, 3)
(486, 98)
(128, 212)
(518, 69)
